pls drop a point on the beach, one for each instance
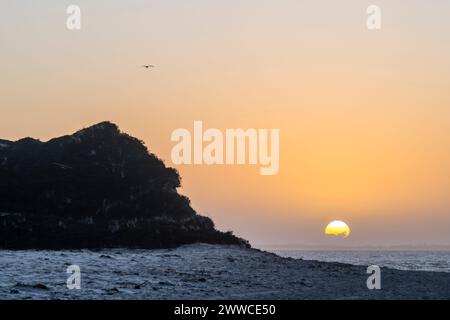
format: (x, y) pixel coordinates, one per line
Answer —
(202, 271)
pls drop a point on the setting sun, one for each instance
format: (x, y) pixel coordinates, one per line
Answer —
(337, 228)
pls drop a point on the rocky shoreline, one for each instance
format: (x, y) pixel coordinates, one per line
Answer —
(202, 271)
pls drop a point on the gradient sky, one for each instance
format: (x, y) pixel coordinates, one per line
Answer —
(364, 116)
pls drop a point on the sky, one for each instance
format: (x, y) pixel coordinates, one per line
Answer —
(364, 116)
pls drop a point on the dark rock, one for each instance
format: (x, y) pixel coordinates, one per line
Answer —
(97, 188)
(140, 285)
(165, 283)
(112, 291)
(40, 286)
(34, 286)
(230, 259)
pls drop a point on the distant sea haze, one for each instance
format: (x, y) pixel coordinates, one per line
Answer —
(424, 260)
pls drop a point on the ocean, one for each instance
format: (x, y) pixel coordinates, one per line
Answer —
(401, 260)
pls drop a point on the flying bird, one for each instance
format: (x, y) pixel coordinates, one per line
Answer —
(146, 66)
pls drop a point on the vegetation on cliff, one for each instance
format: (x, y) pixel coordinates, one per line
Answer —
(96, 188)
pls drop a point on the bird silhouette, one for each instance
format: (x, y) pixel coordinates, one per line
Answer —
(146, 66)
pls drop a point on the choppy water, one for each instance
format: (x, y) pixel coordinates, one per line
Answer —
(188, 272)
(401, 260)
(218, 272)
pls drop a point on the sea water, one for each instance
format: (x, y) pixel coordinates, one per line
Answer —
(396, 259)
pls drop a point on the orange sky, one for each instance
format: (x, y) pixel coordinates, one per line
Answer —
(364, 116)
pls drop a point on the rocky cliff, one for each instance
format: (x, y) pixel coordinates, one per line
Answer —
(97, 188)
